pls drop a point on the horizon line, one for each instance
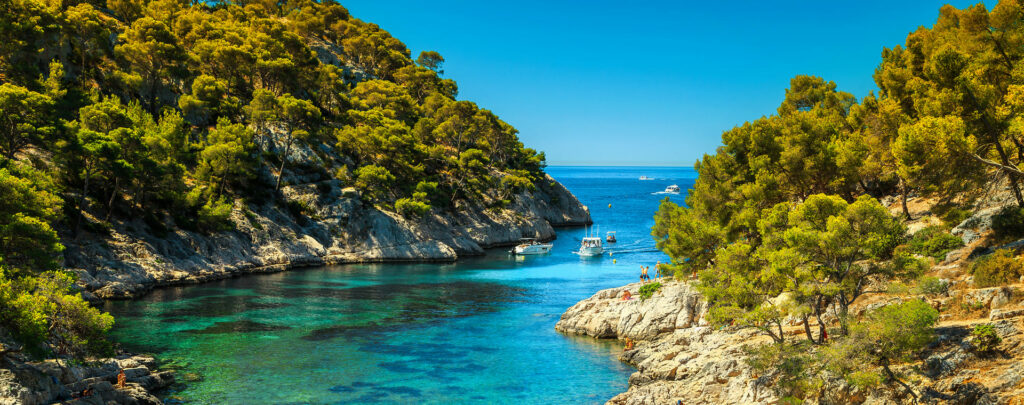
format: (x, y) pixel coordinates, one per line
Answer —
(615, 165)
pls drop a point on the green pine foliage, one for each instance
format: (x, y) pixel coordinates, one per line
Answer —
(182, 113)
(783, 220)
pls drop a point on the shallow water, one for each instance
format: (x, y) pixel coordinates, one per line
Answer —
(477, 331)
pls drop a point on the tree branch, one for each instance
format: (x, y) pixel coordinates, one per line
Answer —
(1000, 166)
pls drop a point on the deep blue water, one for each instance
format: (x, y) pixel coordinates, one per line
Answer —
(477, 331)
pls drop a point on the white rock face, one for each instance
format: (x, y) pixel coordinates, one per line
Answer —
(678, 357)
(606, 315)
(335, 227)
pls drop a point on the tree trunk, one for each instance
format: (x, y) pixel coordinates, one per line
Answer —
(280, 172)
(807, 328)
(903, 197)
(821, 323)
(113, 195)
(81, 202)
(1013, 179)
(892, 376)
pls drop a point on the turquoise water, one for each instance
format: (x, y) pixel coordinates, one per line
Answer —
(477, 331)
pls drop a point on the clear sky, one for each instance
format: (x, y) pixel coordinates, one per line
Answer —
(644, 83)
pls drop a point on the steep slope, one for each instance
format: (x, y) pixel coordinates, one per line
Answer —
(339, 228)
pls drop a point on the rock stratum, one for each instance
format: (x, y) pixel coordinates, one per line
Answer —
(336, 226)
(680, 358)
(26, 382)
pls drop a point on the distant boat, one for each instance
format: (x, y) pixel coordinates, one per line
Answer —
(530, 246)
(674, 189)
(645, 178)
(611, 237)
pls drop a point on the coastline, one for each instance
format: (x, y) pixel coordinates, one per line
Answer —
(338, 228)
(129, 262)
(679, 357)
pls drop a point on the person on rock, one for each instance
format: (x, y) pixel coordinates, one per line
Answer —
(626, 296)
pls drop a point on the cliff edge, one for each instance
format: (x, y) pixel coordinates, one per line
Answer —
(335, 226)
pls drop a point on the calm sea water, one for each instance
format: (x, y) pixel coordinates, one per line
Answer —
(477, 331)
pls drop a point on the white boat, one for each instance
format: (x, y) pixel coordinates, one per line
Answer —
(672, 189)
(591, 246)
(530, 246)
(645, 178)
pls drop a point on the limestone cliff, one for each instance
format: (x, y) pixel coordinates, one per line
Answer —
(335, 226)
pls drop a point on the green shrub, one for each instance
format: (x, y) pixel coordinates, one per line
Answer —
(48, 316)
(998, 268)
(793, 368)
(934, 241)
(648, 290)
(984, 338)
(411, 208)
(374, 181)
(1008, 223)
(886, 336)
(954, 216)
(215, 216)
(929, 285)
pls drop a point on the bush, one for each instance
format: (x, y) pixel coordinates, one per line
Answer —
(887, 336)
(954, 216)
(648, 290)
(998, 268)
(984, 338)
(792, 368)
(48, 316)
(934, 241)
(929, 285)
(1008, 223)
(374, 181)
(410, 208)
(215, 216)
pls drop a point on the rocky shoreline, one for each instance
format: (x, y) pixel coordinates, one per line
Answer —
(680, 358)
(334, 227)
(25, 382)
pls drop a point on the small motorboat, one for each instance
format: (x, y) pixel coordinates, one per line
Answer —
(672, 189)
(645, 178)
(530, 246)
(610, 238)
(591, 246)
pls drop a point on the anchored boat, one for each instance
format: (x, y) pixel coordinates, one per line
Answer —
(530, 246)
(591, 246)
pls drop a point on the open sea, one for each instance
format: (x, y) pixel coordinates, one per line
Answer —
(477, 331)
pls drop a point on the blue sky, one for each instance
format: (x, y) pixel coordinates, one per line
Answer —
(655, 83)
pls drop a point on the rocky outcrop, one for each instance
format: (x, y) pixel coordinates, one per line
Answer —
(605, 315)
(52, 381)
(318, 222)
(679, 358)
